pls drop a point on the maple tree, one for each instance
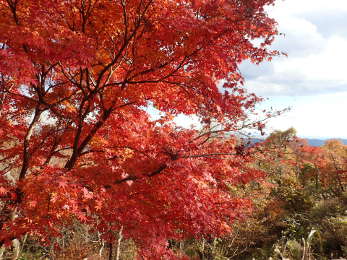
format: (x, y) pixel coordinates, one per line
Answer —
(77, 140)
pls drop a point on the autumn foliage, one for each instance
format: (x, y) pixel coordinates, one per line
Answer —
(76, 138)
(299, 208)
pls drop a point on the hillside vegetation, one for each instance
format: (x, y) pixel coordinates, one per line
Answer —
(299, 212)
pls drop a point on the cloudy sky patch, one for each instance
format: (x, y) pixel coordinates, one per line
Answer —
(313, 78)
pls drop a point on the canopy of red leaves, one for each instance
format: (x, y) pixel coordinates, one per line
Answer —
(76, 140)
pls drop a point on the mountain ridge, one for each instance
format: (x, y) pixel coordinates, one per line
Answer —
(320, 142)
(310, 141)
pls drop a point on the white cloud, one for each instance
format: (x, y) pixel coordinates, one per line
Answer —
(300, 7)
(316, 116)
(313, 78)
(301, 37)
(334, 22)
(315, 62)
(325, 65)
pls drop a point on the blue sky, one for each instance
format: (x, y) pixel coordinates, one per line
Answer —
(312, 80)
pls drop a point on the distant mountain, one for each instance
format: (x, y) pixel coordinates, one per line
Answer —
(320, 142)
(311, 141)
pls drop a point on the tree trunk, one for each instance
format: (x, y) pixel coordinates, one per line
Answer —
(110, 255)
(16, 249)
(120, 237)
(2, 252)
